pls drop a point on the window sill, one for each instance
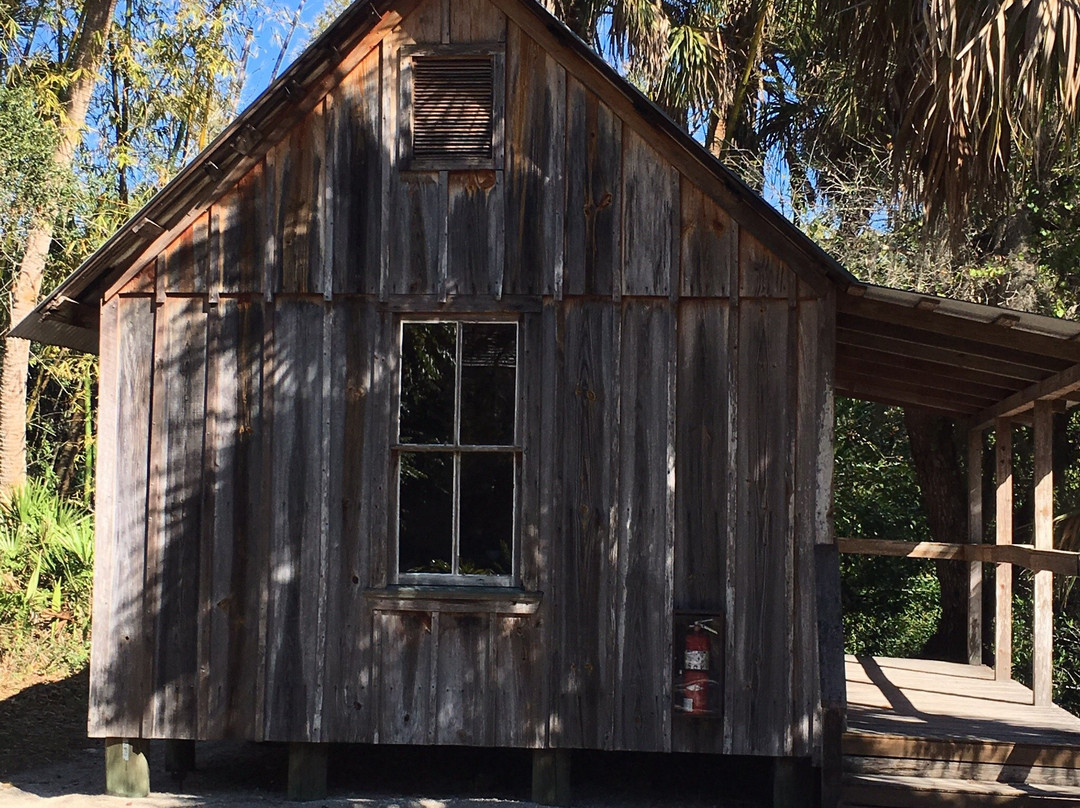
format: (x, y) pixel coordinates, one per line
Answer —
(459, 599)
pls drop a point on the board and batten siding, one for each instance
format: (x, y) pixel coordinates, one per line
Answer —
(675, 393)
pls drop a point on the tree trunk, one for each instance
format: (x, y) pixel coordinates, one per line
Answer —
(938, 468)
(84, 60)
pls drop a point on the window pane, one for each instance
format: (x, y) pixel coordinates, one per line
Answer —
(487, 513)
(427, 382)
(425, 512)
(488, 370)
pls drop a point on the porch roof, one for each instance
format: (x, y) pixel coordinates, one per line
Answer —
(966, 360)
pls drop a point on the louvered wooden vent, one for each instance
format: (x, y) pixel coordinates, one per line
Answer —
(453, 116)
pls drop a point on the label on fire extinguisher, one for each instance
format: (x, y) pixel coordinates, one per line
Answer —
(688, 705)
(696, 660)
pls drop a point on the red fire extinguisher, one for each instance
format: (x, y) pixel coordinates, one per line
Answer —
(694, 689)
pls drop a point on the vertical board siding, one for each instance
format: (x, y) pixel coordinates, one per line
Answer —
(701, 452)
(251, 528)
(476, 21)
(643, 685)
(105, 674)
(418, 233)
(299, 163)
(187, 259)
(535, 167)
(709, 247)
(354, 175)
(548, 387)
(588, 553)
(593, 194)
(237, 237)
(476, 213)
(811, 407)
(515, 706)
(297, 574)
(353, 435)
(414, 204)
(234, 559)
(650, 219)
(462, 702)
(675, 452)
(380, 481)
(119, 667)
(757, 710)
(405, 677)
(702, 518)
(173, 545)
(219, 495)
(761, 273)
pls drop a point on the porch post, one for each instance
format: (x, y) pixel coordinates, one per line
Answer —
(1003, 617)
(975, 536)
(1043, 645)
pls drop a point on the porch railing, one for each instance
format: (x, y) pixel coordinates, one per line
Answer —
(1041, 557)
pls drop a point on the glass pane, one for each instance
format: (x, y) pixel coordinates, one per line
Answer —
(427, 382)
(425, 512)
(488, 370)
(487, 513)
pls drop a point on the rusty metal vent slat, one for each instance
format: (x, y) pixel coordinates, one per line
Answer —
(452, 107)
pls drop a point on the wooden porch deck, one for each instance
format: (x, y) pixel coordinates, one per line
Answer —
(931, 733)
(917, 698)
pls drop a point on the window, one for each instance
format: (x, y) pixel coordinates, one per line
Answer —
(457, 451)
(451, 107)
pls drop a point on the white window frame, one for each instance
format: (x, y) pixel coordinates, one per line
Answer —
(457, 449)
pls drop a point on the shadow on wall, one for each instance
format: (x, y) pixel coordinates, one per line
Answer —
(248, 521)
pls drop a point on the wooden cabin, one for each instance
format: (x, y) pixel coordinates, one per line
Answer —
(448, 389)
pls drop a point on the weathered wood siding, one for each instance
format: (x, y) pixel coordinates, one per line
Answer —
(674, 396)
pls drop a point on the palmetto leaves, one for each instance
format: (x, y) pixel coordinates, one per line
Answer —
(964, 88)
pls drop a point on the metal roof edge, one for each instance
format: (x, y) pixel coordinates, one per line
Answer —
(984, 313)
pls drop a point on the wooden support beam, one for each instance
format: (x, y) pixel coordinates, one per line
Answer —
(126, 771)
(1061, 562)
(1060, 385)
(831, 672)
(924, 374)
(922, 366)
(1043, 643)
(307, 771)
(893, 400)
(853, 333)
(1004, 533)
(551, 776)
(975, 537)
(863, 386)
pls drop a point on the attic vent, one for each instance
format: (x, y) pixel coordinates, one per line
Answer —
(453, 108)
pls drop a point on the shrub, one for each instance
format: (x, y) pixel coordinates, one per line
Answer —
(46, 572)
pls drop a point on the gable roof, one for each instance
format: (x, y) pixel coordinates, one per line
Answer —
(893, 347)
(68, 316)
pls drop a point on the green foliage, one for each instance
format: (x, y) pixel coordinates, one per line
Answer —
(46, 570)
(891, 605)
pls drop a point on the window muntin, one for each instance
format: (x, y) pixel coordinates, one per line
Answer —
(456, 455)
